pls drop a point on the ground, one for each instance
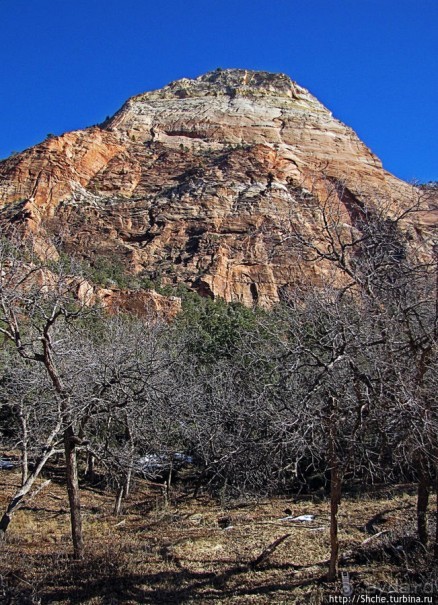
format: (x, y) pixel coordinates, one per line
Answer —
(197, 551)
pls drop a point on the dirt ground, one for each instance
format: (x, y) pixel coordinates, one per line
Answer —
(196, 551)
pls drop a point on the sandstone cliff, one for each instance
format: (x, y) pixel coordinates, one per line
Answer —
(202, 182)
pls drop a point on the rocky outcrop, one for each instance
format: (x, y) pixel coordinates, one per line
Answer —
(203, 182)
(25, 277)
(142, 303)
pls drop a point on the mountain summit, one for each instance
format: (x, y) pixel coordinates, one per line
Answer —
(201, 182)
(231, 83)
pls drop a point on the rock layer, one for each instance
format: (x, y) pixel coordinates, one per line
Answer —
(201, 182)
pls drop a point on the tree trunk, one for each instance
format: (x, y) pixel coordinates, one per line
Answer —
(127, 485)
(435, 550)
(119, 498)
(71, 464)
(129, 439)
(13, 506)
(24, 466)
(73, 493)
(335, 490)
(169, 481)
(19, 496)
(422, 503)
(89, 473)
(335, 498)
(24, 451)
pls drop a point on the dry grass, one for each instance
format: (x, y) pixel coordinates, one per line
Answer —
(184, 554)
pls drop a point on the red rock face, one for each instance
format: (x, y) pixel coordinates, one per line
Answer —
(201, 182)
(140, 303)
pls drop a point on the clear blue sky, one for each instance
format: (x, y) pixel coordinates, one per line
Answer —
(66, 64)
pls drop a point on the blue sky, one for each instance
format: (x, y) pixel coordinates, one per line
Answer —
(66, 64)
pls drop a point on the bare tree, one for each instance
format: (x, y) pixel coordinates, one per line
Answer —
(35, 303)
(130, 413)
(392, 279)
(354, 344)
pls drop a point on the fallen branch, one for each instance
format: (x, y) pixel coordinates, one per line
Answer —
(380, 533)
(289, 526)
(55, 496)
(298, 566)
(269, 550)
(120, 523)
(35, 493)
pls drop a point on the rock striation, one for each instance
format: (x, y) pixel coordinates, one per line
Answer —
(202, 182)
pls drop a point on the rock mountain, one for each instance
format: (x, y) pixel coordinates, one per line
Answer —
(202, 182)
